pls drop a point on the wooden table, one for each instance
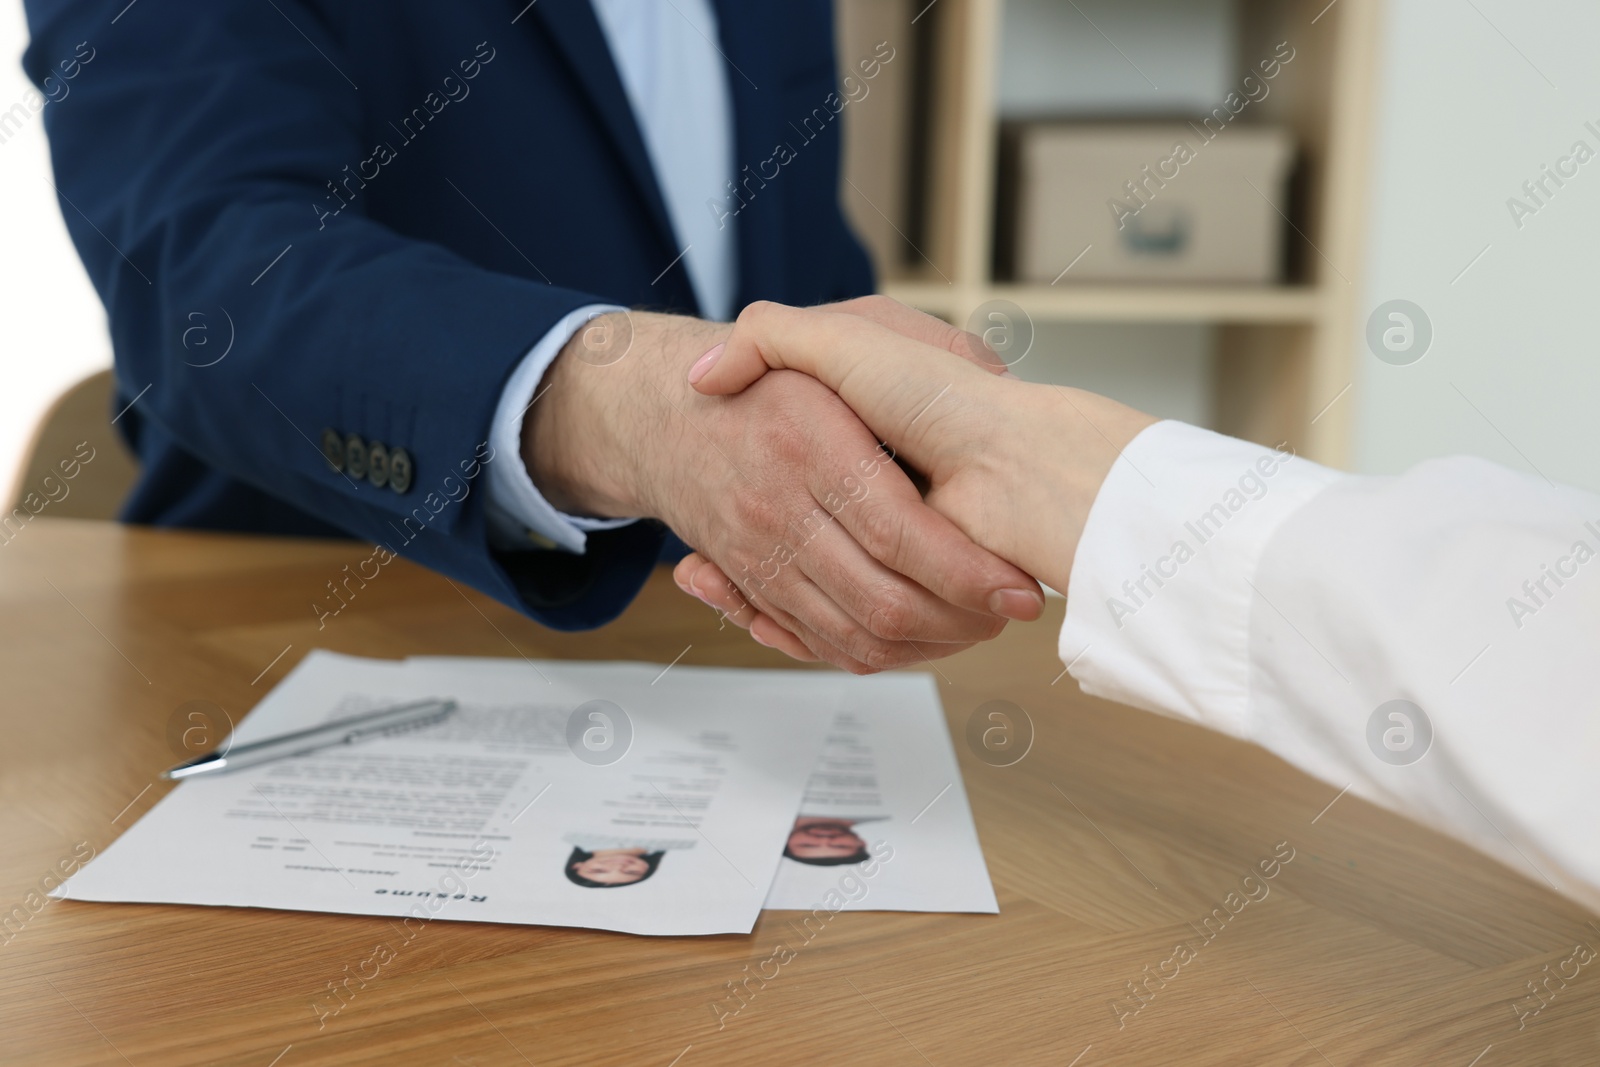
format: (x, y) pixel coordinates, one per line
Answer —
(1377, 943)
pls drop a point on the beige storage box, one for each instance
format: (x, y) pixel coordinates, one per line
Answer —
(1168, 203)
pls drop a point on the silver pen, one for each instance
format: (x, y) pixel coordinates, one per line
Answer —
(348, 731)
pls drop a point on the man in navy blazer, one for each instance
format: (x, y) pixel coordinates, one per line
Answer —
(328, 236)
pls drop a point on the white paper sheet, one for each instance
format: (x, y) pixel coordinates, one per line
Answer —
(889, 770)
(479, 818)
(886, 799)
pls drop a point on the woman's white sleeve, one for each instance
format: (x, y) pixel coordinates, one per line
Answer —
(1430, 641)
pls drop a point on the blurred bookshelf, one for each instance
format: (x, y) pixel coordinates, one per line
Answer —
(921, 168)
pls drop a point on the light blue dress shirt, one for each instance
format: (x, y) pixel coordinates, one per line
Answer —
(677, 85)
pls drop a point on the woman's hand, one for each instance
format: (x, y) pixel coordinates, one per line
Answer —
(1014, 466)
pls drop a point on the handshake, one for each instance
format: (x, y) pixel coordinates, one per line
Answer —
(777, 453)
(774, 447)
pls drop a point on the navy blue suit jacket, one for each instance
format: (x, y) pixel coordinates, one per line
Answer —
(383, 206)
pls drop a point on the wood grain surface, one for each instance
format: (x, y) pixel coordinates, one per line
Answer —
(1110, 843)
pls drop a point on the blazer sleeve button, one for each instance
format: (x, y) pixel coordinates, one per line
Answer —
(377, 464)
(400, 470)
(333, 449)
(355, 456)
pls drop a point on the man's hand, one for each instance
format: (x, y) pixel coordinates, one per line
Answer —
(782, 487)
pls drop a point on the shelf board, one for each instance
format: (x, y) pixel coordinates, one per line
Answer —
(1122, 303)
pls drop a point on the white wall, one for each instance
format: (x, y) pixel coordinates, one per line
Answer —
(52, 328)
(1466, 116)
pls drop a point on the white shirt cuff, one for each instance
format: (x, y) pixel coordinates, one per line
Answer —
(1160, 595)
(519, 515)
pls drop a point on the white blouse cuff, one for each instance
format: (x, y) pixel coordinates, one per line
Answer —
(1161, 590)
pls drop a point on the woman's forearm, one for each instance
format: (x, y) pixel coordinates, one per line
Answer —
(1052, 448)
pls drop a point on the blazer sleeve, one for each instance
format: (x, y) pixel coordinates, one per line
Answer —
(190, 157)
(1424, 641)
